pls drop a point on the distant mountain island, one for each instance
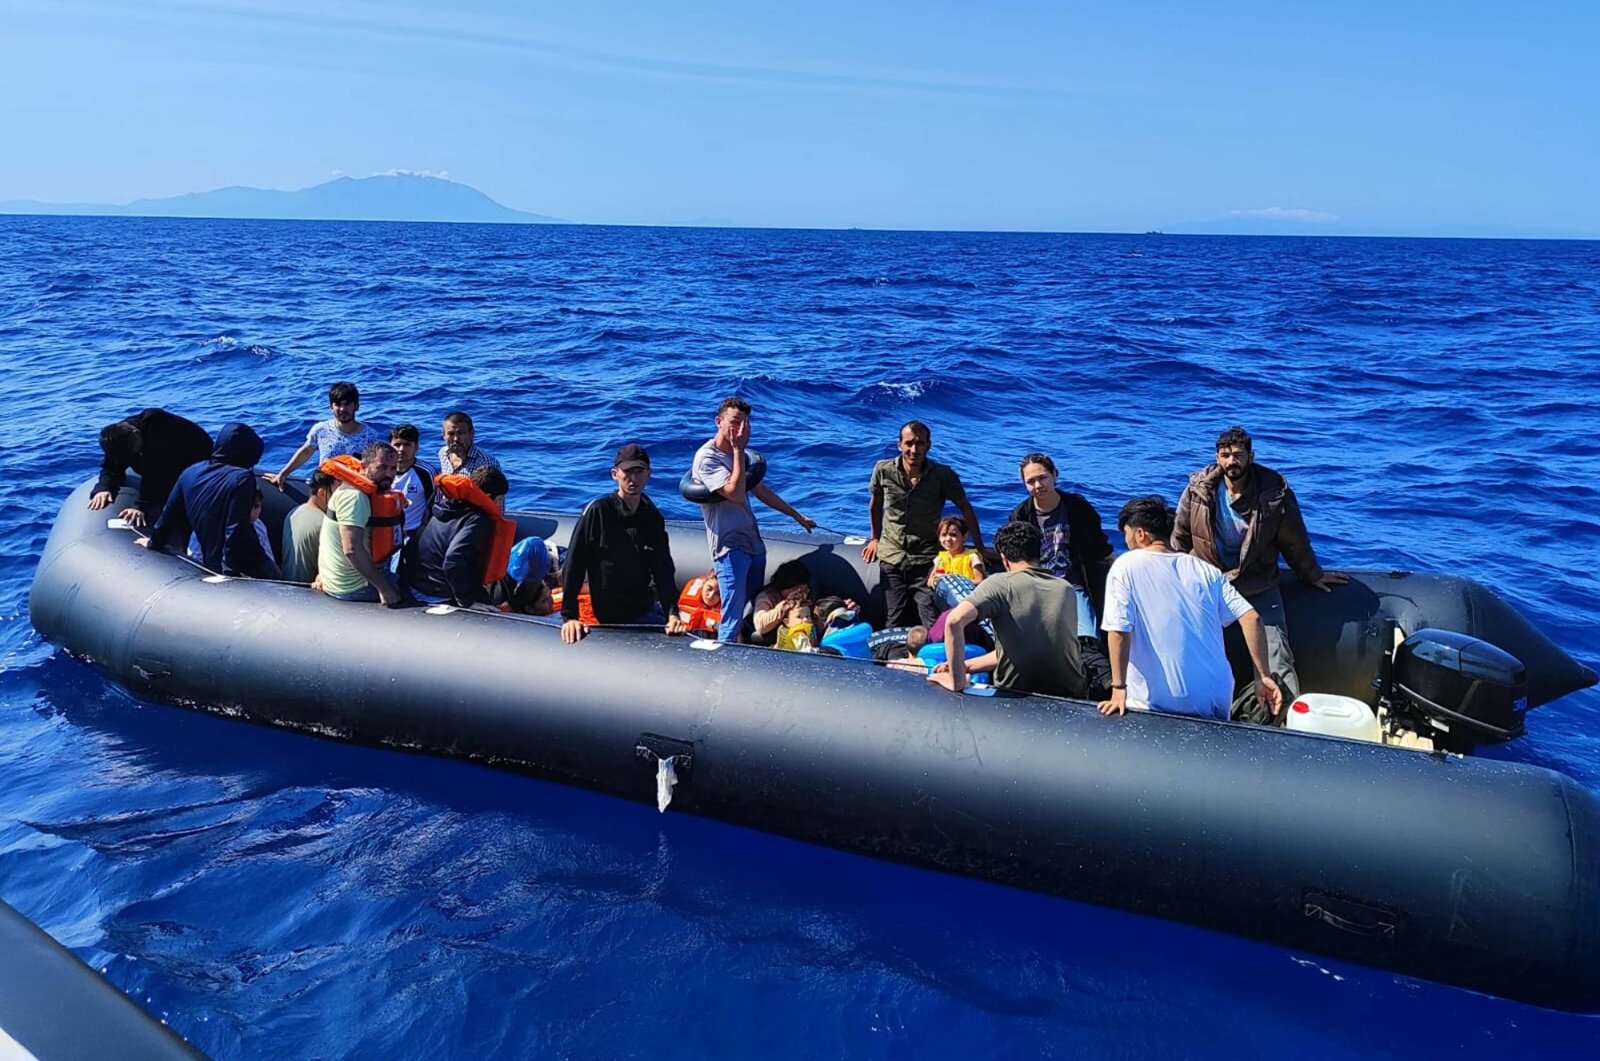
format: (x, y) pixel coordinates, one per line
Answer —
(391, 197)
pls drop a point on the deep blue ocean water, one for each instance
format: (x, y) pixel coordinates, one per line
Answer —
(271, 895)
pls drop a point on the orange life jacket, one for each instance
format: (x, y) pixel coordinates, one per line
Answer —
(388, 507)
(501, 539)
(694, 611)
(585, 606)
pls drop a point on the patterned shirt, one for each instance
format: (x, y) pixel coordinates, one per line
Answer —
(476, 458)
(331, 442)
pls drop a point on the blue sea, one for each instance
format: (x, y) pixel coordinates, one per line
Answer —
(275, 896)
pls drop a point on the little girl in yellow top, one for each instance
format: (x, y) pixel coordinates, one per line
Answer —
(957, 558)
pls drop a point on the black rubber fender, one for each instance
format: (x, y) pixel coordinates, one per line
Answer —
(693, 491)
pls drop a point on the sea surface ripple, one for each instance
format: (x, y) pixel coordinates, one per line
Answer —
(271, 895)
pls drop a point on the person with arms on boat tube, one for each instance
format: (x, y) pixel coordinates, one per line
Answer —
(907, 497)
(339, 435)
(362, 528)
(156, 444)
(620, 547)
(1035, 620)
(212, 503)
(1165, 613)
(464, 549)
(1240, 516)
(738, 555)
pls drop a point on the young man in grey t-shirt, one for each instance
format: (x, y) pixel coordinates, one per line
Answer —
(1035, 618)
(738, 556)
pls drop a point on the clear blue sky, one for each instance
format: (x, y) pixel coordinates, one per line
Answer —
(1418, 117)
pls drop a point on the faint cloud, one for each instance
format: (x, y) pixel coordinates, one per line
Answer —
(436, 174)
(336, 174)
(1285, 213)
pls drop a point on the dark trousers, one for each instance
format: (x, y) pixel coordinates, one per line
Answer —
(907, 599)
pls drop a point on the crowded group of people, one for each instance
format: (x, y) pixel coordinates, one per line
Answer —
(1047, 607)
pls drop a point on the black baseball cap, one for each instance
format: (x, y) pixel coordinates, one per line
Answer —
(632, 453)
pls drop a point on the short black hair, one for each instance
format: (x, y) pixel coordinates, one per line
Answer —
(404, 433)
(733, 401)
(456, 416)
(917, 428)
(1019, 541)
(343, 392)
(790, 573)
(374, 449)
(121, 442)
(320, 480)
(1234, 436)
(1149, 514)
(1037, 458)
(491, 480)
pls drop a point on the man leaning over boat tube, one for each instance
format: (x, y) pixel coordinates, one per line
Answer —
(1242, 529)
(619, 547)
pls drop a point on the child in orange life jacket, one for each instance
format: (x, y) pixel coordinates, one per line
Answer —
(700, 603)
(956, 556)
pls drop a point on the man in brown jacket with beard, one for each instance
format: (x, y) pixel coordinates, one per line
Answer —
(1241, 516)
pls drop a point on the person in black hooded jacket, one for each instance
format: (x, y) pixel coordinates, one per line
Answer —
(213, 501)
(158, 445)
(448, 564)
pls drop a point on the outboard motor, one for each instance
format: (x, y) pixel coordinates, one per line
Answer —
(1456, 689)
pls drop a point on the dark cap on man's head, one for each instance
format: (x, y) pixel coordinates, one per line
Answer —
(632, 453)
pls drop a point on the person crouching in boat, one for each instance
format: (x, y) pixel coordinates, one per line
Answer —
(1240, 516)
(362, 527)
(465, 546)
(212, 502)
(620, 547)
(1035, 621)
(1165, 612)
(159, 446)
(700, 604)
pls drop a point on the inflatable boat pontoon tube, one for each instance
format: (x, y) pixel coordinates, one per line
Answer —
(1478, 873)
(55, 1008)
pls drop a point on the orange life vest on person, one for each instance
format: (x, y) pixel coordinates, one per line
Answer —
(388, 507)
(501, 539)
(585, 606)
(695, 612)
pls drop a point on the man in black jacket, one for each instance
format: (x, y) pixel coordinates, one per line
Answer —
(452, 544)
(156, 444)
(620, 548)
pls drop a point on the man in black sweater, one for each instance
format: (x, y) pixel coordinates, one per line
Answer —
(620, 548)
(156, 444)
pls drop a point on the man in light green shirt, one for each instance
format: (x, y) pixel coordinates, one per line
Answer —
(346, 570)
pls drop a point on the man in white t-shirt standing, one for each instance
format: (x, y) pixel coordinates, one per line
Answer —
(1164, 617)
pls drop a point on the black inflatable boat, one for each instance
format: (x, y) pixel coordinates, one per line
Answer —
(1472, 872)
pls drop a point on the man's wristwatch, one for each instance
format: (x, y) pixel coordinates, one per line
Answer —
(1124, 688)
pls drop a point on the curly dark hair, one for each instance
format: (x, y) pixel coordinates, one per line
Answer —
(1019, 542)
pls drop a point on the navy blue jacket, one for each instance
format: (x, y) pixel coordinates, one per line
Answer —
(212, 501)
(450, 550)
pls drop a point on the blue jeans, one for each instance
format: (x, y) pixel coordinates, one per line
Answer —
(366, 594)
(740, 576)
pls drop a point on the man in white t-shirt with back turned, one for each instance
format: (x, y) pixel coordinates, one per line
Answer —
(1164, 617)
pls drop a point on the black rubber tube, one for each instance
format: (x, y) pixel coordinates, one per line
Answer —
(693, 490)
(59, 1009)
(1479, 873)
